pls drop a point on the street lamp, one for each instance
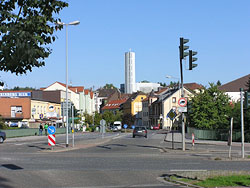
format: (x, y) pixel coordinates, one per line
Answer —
(171, 77)
(67, 114)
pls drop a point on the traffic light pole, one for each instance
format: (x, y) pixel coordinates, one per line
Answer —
(242, 124)
(182, 114)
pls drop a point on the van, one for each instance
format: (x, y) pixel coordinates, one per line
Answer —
(117, 126)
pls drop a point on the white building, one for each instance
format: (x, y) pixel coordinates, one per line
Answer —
(130, 72)
(147, 87)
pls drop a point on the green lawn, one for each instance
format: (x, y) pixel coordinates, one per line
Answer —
(223, 181)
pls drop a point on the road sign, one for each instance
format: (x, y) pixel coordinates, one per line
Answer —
(171, 114)
(102, 122)
(51, 140)
(51, 130)
(182, 102)
(182, 109)
(41, 116)
(133, 127)
(125, 126)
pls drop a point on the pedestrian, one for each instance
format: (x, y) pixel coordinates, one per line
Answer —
(46, 128)
(41, 130)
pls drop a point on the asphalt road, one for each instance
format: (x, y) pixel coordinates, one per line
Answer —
(116, 161)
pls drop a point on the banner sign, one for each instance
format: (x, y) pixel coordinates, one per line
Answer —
(15, 94)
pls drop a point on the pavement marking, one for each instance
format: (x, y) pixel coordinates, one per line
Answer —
(188, 170)
(185, 163)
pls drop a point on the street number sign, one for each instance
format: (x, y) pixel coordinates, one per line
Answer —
(51, 130)
(182, 102)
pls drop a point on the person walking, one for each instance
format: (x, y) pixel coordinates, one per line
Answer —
(46, 128)
(41, 130)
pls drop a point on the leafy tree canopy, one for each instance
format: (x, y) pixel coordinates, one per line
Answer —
(209, 109)
(109, 86)
(128, 119)
(26, 30)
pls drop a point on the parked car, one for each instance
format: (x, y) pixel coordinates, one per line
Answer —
(140, 131)
(155, 127)
(2, 136)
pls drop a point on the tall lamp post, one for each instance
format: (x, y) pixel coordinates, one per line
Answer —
(67, 114)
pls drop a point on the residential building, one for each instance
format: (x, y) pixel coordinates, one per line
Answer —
(87, 102)
(146, 104)
(167, 99)
(232, 88)
(114, 105)
(134, 106)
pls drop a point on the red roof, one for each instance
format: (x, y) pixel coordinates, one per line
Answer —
(193, 86)
(115, 104)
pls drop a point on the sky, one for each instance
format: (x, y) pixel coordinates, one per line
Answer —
(218, 30)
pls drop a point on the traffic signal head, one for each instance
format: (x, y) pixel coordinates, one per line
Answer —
(192, 59)
(247, 99)
(183, 48)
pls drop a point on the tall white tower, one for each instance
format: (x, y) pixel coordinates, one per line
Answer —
(129, 72)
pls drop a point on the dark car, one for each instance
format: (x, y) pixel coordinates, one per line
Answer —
(140, 131)
(2, 136)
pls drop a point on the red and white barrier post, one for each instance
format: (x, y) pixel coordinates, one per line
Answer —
(52, 140)
(192, 139)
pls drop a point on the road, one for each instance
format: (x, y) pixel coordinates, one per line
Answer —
(118, 160)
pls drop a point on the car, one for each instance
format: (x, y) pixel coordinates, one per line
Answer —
(155, 127)
(2, 136)
(140, 131)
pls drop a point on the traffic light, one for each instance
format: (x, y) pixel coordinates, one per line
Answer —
(247, 99)
(192, 59)
(183, 48)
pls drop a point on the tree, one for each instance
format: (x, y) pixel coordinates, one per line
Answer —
(108, 117)
(218, 83)
(27, 28)
(162, 84)
(118, 115)
(248, 84)
(97, 118)
(109, 86)
(144, 81)
(209, 109)
(174, 84)
(128, 119)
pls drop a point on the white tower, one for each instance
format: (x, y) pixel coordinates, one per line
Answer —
(129, 72)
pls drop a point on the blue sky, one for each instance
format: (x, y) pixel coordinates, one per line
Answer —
(218, 30)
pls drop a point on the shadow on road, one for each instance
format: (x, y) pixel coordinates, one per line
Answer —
(3, 182)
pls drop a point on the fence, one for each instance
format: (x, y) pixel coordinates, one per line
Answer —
(220, 134)
(10, 133)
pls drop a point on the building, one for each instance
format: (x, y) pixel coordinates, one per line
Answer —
(146, 104)
(134, 106)
(167, 99)
(19, 108)
(114, 105)
(147, 87)
(87, 102)
(130, 85)
(233, 88)
(130, 72)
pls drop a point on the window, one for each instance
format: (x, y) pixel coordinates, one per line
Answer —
(174, 99)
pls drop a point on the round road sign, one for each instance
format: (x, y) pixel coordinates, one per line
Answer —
(182, 102)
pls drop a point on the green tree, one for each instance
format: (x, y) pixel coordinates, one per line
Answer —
(2, 124)
(97, 118)
(118, 115)
(218, 83)
(248, 84)
(109, 86)
(27, 29)
(128, 119)
(162, 84)
(88, 118)
(209, 109)
(108, 117)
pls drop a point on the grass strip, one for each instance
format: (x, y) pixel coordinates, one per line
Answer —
(223, 181)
